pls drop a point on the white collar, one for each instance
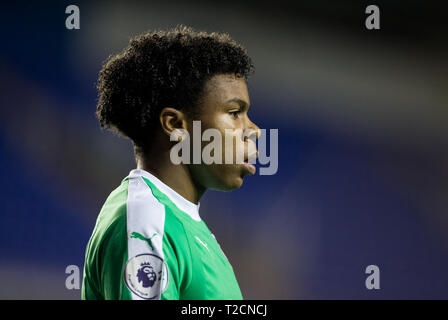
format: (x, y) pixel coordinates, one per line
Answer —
(183, 204)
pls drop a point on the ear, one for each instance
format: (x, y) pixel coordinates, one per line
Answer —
(171, 119)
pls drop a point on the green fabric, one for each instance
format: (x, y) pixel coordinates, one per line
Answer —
(106, 253)
(197, 267)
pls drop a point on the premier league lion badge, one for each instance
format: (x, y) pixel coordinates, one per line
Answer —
(146, 275)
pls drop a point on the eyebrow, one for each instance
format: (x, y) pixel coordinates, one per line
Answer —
(243, 104)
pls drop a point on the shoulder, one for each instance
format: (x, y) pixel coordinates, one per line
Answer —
(112, 216)
(108, 240)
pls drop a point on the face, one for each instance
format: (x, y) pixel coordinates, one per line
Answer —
(224, 105)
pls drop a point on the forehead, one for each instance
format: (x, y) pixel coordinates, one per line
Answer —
(223, 87)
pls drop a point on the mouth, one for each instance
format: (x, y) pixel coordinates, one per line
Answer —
(250, 167)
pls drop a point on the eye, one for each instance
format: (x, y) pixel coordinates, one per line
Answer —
(235, 113)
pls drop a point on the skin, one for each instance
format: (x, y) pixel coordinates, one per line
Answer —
(224, 105)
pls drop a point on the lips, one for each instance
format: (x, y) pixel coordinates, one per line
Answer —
(250, 167)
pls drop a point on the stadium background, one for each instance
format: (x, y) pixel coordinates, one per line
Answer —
(363, 145)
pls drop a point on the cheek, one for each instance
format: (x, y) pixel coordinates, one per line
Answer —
(231, 143)
(217, 120)
(236, 149)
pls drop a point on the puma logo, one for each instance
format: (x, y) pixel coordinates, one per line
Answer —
(139, 236)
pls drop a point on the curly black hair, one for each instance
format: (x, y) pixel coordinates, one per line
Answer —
(163, 69)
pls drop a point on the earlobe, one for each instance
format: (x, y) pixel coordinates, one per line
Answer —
(178, 135)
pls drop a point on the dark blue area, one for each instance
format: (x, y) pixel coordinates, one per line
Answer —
(35, 43)
(366, 222)
(34, 226)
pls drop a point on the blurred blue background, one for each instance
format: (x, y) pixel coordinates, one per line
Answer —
(363, 145)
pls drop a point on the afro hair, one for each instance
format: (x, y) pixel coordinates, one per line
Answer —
(163, 69)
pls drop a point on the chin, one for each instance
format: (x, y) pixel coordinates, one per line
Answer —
(224, 177)
(229, 184)
(236, 183)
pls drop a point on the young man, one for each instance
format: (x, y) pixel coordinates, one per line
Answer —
(149, 241)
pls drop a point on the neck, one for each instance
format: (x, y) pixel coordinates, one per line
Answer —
(177, 177)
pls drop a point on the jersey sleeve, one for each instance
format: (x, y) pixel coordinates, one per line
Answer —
(137, 250)
(111, 274)
(106, 258)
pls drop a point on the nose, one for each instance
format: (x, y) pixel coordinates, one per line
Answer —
(253, 130)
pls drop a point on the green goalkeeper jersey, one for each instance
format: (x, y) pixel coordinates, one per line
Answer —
(150, 243)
